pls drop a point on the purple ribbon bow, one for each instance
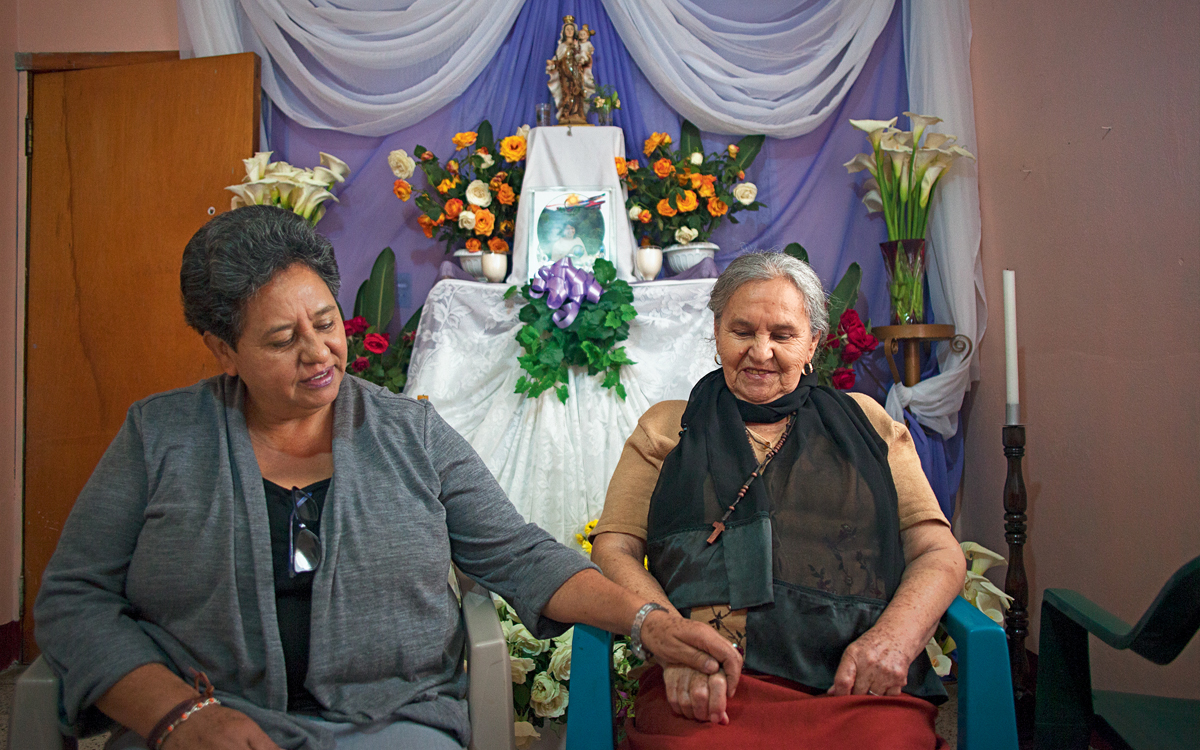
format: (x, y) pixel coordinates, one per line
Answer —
(565, 287)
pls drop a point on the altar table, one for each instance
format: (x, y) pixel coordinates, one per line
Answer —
(553, 459)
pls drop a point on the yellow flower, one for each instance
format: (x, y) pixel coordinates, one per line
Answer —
(688, 202)
(733, 150)
(497, 245)
(654, 141)
(664, 168)
(622, 167)
(447, 185)
(717, 207)
(474, 245)
(664, 208)
(462, 140)
(506, 196)
(402, 190)
(485, 221)
(512, 148)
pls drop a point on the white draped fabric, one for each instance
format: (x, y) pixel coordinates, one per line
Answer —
(367, 67)
(782, 76)
(553, 160)
(937, 38)
(553, 460)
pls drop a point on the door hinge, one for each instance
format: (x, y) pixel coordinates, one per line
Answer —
(28, 136)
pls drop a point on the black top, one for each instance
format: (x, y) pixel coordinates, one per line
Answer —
(293, 596)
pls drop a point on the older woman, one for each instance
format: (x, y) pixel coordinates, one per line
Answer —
(287, 532)
(796, 521)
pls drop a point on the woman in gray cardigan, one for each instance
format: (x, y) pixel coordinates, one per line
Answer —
(287, 532)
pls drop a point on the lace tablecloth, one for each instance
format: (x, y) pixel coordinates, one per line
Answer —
(554, 460)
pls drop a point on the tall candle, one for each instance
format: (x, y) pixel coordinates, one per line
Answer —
(1012, 409)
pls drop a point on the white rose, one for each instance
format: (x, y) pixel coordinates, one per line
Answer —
(466, 220)
(684, 235)
(478, 194)
(745, 192)
(521, 666)
(635, 213)
(485, 161)
(523, 131)
(548, 698)
(402, 164)
(519, 638)
(696, 158)
(560, 663)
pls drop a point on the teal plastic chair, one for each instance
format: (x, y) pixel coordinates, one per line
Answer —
(1068, 709)
(986, 716)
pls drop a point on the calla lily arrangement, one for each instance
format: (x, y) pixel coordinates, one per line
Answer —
(978, 590)
(302, 191)
(904, 171)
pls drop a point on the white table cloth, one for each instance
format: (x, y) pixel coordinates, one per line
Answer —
(554, 460)
(578, 156)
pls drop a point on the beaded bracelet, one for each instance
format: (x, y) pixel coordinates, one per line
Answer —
(182, 713)
(635, 645)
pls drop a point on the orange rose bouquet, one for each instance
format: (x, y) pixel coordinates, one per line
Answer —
(470, 201)
(682, 196)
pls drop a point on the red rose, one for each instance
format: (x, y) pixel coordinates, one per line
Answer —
(850, 322)
(356, 325)
(360, 364)
(376, 343)
(409, 337)
(856, 334)
(851, 353)
(843, 378)
(833, 341)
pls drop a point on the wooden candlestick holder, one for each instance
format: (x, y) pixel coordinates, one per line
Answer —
(1016, 584)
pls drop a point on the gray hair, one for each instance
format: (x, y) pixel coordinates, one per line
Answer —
(237, 253)
(771, 265)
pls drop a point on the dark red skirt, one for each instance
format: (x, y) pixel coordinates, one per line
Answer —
(768, 712)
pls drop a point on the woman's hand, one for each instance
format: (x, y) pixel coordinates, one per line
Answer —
(875, 664)
(676, 641)
(695, 695)
(218, 728)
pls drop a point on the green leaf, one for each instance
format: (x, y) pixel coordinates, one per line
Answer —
(522, 384)
(845, 294)
(628, 312)
(613, 319)
(796, 250)
(551, 356)
(689, 139)
(593, 352)
(376, 298)
(484, 138)
(611, 378)
(604, 271)
(748, 148)
(621, 391)
(562, 393)
(512, 292)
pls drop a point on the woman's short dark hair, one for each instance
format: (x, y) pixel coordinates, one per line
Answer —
(239, 252)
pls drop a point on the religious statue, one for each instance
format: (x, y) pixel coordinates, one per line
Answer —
(571, 81)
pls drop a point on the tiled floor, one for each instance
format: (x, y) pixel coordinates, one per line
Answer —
(947, 721)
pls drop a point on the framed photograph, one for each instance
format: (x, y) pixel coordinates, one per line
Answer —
(571, 222)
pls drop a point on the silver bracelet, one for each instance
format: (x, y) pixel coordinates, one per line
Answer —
(636, 646)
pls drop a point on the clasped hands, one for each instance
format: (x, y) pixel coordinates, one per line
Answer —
(874, 664)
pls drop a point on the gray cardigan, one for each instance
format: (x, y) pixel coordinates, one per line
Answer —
(166, 558)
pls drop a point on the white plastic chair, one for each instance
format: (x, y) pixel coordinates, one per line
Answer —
(33, 721)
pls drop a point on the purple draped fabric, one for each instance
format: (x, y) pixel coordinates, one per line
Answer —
(810, 198)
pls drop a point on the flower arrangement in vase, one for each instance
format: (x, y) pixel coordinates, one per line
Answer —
(850, 338)
(277, 183)
(904, 176)
(370, 352)
(682, 196)
(470, 201)
(603, 102)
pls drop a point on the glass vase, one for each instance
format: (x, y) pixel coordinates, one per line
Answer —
(604, 117)
(905, 264)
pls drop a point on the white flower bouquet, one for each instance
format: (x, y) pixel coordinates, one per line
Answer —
(302, 191)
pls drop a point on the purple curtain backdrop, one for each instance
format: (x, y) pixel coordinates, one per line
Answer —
(810, 198)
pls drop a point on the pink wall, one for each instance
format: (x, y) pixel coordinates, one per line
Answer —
(46, 26)
(1103, 231)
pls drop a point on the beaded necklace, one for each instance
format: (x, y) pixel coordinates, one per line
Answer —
(719, 526)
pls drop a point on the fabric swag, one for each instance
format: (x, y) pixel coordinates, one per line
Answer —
(812, 548)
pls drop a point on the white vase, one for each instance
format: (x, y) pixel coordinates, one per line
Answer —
(471, 262)
(682, 257)
(648, 262)
(495, 267)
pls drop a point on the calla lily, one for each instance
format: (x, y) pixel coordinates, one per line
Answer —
(335, 165)
(874, 129)
(960, 151)
(900, 158)
(984, 595)
(310, 197)
(872, 198)
(980, 558)
(941, 662)
(920, 122)
(256, 166)
(282, 171)
(251, 194)
(326, 177)
(938, 140)
(861, 162)
(928, 181)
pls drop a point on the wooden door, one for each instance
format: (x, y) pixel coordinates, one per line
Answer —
(127, 163)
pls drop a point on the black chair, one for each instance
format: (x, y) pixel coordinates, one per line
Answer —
(1067, 707)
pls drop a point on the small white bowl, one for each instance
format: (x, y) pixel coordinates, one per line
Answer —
(471, 262)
